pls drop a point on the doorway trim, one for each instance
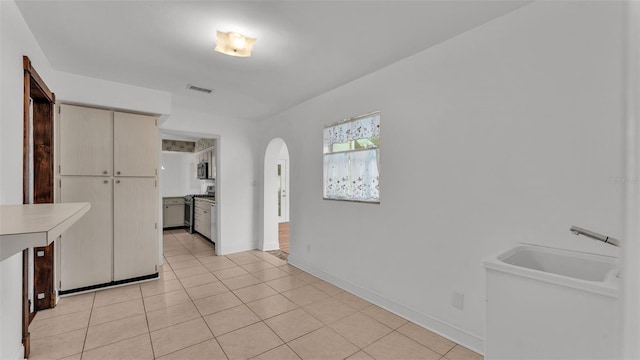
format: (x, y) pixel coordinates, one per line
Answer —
(270, 194)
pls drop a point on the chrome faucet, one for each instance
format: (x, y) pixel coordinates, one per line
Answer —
(594, 235)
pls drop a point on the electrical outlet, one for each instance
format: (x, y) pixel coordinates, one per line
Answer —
(457, 300)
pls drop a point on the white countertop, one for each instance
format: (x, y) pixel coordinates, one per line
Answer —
(25, 226)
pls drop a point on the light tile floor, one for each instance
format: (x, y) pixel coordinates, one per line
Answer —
(249, 305)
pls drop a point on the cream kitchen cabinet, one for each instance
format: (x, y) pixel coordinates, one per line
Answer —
(119, 239)
(202, 217)
(135, 221)
(172, 212)
(87, 249)
(135, 134)
(86, 138)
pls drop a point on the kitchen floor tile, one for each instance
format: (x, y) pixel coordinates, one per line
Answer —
(185, 263)
(241, 281)
(352, 300)
(257, 266)
(292, 270)
(282, 352)
(329, 310)
(114, 331)
(209, 349)
(286, 283)
(270, 274)
(293, 324)
(360, 355)
(190, 271)
(231, 319)
(271, 306)
(160, 287)
(327, 288)
(60, 324)
(180, 336)
(199, 279)
(115, 295)
(178, 258)
(243, 258)
(57, 346)
(462, 353)
(206, 290)
(323, 343)
(249, 341)
(254, 292)
(138, 347)
(230, 272)
(397, 346)
(171, 315)
(360, 329)
(427, 338)
(305, 295)
(116, 311)
(308, 278)
(386, 317)
(216, 265)
(216, 303)
(67, 305)
(160, 301)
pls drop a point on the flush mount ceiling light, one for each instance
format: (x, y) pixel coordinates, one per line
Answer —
(234, 44)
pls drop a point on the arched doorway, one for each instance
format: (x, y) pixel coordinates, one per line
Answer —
(276, 196)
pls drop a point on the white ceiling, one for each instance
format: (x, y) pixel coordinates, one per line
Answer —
(304, 48)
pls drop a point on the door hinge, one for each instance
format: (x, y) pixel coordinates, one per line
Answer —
(156, 183)
(59, 109)
(156, 226)
(59, 169)
(60, 183)
(156, 171)
(156, 122)
(59, 284)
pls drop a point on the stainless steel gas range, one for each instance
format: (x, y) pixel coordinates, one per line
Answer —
(189, 206)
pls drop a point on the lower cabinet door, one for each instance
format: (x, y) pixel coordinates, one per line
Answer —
(135, 236)
(86, 248)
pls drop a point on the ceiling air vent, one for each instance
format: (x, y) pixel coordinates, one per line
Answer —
(197, 88)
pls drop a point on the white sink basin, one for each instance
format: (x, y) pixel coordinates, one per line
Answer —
(561, 262)
(586, 271)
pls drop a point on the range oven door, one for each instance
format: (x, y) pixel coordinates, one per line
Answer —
(188, 213)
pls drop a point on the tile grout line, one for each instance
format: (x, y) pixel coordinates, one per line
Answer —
(86, 334)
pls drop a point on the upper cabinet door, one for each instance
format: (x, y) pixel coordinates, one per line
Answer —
(135, 134)
(86, 141)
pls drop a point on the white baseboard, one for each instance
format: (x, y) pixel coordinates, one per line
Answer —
(442, 328)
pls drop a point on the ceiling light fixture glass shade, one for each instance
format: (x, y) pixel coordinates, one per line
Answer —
(234, 44)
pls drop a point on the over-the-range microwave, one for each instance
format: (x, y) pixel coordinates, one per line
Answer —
(203, 170)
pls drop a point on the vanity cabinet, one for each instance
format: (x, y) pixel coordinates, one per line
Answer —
(172, 212)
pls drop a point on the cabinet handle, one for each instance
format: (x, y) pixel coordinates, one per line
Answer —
(105, 172)
(106, 181)
(205, 211)
(118, 173)
(117, 181)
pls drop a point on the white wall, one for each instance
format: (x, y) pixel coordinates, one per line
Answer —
(16, 40)
(80, 89)
(511, 132)
(235, 183)
(178, 174)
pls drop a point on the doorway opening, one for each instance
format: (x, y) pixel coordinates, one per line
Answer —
(276, 197)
